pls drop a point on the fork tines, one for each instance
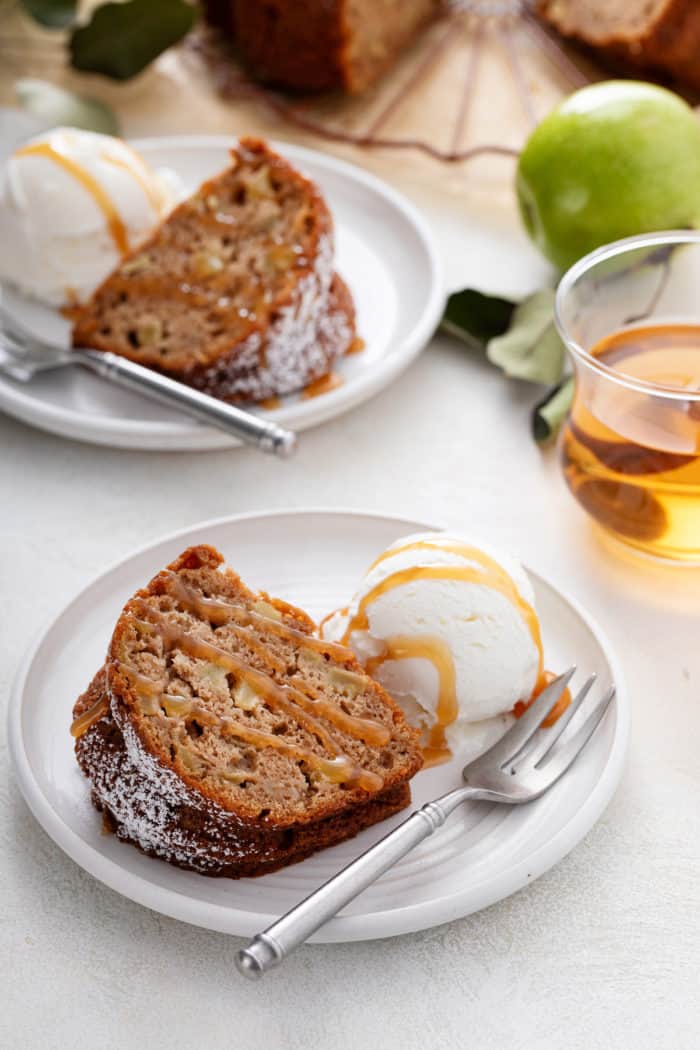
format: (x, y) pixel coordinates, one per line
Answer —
(527, 747)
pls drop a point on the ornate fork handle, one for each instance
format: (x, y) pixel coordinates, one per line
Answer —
(518, 768)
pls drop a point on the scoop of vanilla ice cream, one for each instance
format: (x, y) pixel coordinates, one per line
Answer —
(71, 204)
(467, 617)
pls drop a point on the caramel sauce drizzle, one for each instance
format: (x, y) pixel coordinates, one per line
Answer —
(486, 572)
(104, 202)
(88, 718)
(323, 385)
(338, 769)
(220, 612)
(329, 616)
(285, 698)
(139, 682)
(558, 709)
(253, 642)
(282, 697)
(151, 190)
(144, 686)
(438, 652)
(227, 614)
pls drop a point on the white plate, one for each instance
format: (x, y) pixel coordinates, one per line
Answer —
(313, 558)
(385, 252)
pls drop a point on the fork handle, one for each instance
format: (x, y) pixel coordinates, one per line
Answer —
(247, 427)
(269, 948)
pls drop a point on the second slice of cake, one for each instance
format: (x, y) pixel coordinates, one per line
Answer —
(235, 292)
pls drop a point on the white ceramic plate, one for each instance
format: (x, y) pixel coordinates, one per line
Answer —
(385, 252)
(313, 558)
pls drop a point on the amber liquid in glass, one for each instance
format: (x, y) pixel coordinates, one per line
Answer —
(631, 458)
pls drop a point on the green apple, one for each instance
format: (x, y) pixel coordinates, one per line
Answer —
(614, 159)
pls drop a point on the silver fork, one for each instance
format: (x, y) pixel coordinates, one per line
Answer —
(23, 356)
(520, 767)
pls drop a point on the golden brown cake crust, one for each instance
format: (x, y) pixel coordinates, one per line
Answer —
(140, 763)
(667, 42)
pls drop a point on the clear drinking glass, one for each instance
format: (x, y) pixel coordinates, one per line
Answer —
(629, 314)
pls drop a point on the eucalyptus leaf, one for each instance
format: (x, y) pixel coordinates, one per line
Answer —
(549, 414)
(121, 39)
(531, 348)
(475, 317)
(58, 106)
(54, 14)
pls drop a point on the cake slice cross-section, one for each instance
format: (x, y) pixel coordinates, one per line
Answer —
(224, 736)
(235, 292)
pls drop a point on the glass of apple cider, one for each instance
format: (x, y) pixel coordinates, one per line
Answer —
(629, 314)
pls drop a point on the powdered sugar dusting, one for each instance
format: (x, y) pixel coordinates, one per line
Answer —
(300, 345)
(147, 801)
(149, 806)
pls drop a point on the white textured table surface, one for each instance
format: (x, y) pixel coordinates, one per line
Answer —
(602, 952)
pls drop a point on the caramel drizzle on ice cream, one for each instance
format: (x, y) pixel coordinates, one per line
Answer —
(485, 572)
(438, 653)
(151, 191)
(102, 199)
